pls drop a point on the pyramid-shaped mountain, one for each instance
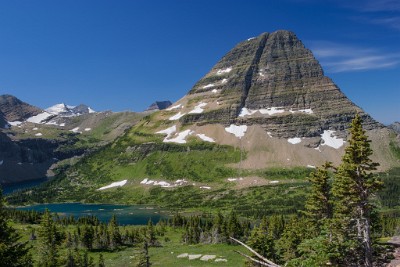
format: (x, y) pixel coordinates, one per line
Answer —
(271, 92)
(273, 80)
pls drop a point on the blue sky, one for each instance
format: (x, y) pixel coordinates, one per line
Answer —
(123, 55)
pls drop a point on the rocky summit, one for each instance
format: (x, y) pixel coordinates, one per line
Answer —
(274, 81)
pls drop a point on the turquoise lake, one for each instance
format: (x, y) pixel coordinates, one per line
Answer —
(126, 214)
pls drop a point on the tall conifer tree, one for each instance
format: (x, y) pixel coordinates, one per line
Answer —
(353, 186)
(13, 252)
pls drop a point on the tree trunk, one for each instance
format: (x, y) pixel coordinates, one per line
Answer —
(367, 243)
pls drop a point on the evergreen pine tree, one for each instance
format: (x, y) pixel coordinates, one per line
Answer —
(151, 233)
(115, 236)
(49, 238)
(353, 186)
(319, 204)
(144, 259)
(262, 242)
(234, 228)
(12, 251)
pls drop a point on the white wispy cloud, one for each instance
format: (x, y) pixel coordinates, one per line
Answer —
(379, 5)
(392, 22)
(343, 58)
(378, 12)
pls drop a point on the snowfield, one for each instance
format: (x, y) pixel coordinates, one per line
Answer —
(147, 181)
(198, 109)
(14, 123)
(206, 138)
(75, 130)
(180, 139)
(177, 116)
(269, 111)
(169, 131)
(39, 118)
(58, 108)
(236, 130)
(115, 184)
(331, 140)
(295, 140)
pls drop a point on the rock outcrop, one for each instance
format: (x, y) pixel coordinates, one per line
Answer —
(395, 126)
(15, 109)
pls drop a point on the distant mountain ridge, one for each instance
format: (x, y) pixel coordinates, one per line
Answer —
(32, 140)
(159, 105)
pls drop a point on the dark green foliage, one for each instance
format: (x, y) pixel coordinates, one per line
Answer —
(389, 195)
(353, 186)
(12, 251)
(114, 234)
(50, 238)
(319, 203)
(143, 257)
(101, 261)
(262, 241)
(395, 149)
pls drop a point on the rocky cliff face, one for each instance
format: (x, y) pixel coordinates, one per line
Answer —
(3, 122)
(16, 110)
(274, 81)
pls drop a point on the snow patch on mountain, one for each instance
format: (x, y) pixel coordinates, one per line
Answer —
(237, 130)
(272, 110)
(331, 140)
(198, 109)
(208, 85)
(115, 184)
(269, 111)
(206, 138)
(308, 111)
(40, 117)
(58, 108)
(75, 130)
(295, 140)
(177, 116)
(169, 131)
(180, 138)
(246, 112)
(14, 123)
(223, 71)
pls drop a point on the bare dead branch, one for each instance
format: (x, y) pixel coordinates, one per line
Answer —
(271, 264)
(252, 259)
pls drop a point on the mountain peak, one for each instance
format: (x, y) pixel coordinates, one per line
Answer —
(15, 109)
(159, 105)
(273, 80)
